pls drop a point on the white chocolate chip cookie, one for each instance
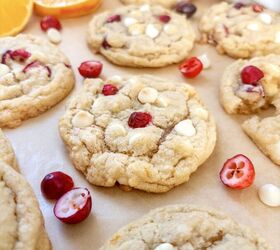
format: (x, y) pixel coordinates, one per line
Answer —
(182, 227)
(241, 32)
(131, 37)
(146, 3)
(239, 98)
(150, 135)
(34, 76)
(22, 225)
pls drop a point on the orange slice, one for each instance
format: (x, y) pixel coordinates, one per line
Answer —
(65, 8)
(14, 15)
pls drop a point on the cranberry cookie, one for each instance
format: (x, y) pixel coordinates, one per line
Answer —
(248, 87)
(165, 3)
(34, 76)
(181, 227)
(134, 36)
(241, 31)
(142, 132)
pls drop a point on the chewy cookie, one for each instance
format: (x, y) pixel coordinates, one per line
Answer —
(165, 3)
(241, 31)
(181, 227)
(141, 36)
(34, 76)
(260, 90)
(142, 132)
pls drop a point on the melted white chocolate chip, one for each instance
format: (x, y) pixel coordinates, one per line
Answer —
(170, 29)
(151, 31)
(148, 95)
(185, 128)
(253, 26)
(4, 69)
(145, 7)
(129, 21)
(165, 246)
(116, 129)
(54, 35)
(136, 29)
(265, 18)
(269, 194)
(162, 101)
(82, 119)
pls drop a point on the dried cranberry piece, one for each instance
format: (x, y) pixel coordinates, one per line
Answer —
(251, 75)
(164, 18)
(139, 119)
(50, 22)
(6, 56)
(114, 18)
(109, 89)
(36, 64)
(20, 55)
(90, 69)
(105, 44)
(257, 8)
(186, 8)
(238, 5)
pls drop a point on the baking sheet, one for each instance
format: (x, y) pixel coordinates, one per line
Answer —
(40, 150)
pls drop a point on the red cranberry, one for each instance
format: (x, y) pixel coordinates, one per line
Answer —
(109, 89)
(90, 69)
(114, 18)
(50, 22)
(6, 56)
(251, 75)
(164, 18)
(36, 64)
(238, 6)
(20, 55)
(105, 44)
(56, 184)
(257, 8)
(186, 8)
(74, 206)
(139, 119)
(191, 67)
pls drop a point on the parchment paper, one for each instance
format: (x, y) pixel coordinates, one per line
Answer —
(40, 150)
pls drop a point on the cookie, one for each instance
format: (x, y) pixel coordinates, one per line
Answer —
(165, 3)
(34, 76)
(22, 225)
(241, 32)
(134, 36)
(180, 227)
(239, 98)
(141, 131)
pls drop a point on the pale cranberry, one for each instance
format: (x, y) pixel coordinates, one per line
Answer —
(238, 6)
(74, 206)
(186, 8)
(164, 18)
(251, 75)
(257, 8)
(114, 18)
(139, 119)
(56, 184)
(6, 56)
(50, 22)
(90, 69)
(105, 44)
(109, 89)
(36, 64)
(20, 55)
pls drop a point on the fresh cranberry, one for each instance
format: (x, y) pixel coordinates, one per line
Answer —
(74, 206)
(238, 5)
(238, 172)
(20, 55)
(56, 184)
(36, 64)
(105, 44)
(114, 18)
(90, 69)
(50, 22)
(257, 8)
(164, 18)
(6, 56)
(139, 119)
(191, 67)
(251, 75)
(109, 89)
(186, 8)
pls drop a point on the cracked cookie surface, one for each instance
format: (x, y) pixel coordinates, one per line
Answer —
(35, 76)
(135, 37)
(22, 225)
(241, 32)
(182, 227)
(6, 151)
(239, 98)
(99, 131)
(165, 3)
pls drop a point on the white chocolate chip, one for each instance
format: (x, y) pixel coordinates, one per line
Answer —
(253, 26)
(205, 61)
(165, 246)
(170, 29)
(265, 18)
(136, 29)
(145, 7)
(4, 69)
(116, 79)
(148, 95)
(185, 128)
(82, 119)
(134, 138)
(201, 113)
(269, 194)
(162, 101)
(116, 129)
(54, 35)
(129, 21)
(277, 37)
(152, 31)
